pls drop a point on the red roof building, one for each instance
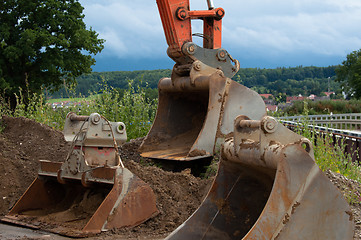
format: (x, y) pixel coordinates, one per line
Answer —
(266, 95)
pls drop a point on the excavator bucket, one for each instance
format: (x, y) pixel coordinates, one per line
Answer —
(89, 192)
(121, 200)
(268, 186)
(195, 114)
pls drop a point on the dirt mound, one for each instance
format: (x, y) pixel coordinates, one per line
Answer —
(178, 196)
(24, 142)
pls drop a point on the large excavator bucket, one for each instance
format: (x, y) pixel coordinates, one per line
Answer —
(268, 186)
(88, 193)
(198, 103)
(195, 114)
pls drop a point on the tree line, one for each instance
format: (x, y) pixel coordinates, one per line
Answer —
(290, 81)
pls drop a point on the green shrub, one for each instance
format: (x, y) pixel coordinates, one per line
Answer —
(131, 107)
(324, 107)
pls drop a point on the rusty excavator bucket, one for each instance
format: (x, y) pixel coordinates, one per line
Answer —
(195, 114)
(91, 191)
(268, 186)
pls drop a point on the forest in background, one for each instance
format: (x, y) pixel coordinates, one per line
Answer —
(291, 81)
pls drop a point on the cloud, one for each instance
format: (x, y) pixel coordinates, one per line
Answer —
(131, 29)
(323, 27)
(262, 29)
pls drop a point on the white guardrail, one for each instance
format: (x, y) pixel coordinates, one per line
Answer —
(324, 124)
(351, 121)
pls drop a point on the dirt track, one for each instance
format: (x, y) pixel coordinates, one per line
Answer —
(23, 142)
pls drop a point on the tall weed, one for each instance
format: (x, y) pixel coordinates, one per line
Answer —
(4, 107)
(329, 155)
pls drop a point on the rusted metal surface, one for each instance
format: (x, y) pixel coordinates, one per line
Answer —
(128, 201)
(268, 186)
(193, 120)
(233, 204)
(100, 156)
(91, 184)
(94, 130)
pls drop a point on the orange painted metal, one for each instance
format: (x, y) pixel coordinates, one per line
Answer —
(176, 19)
(212, 31)
(215, 13)
(177, 32)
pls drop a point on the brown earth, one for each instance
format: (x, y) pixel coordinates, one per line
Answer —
(23, 142)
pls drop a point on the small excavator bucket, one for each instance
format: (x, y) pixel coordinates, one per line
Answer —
(268, 186)
(121, 200)
(90, 192)
(195, 114)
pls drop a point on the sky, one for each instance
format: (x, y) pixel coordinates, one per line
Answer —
(259, 33)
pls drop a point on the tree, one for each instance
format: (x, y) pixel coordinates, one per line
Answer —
(43, 44)
(349, 74)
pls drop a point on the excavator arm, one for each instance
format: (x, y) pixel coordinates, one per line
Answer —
(177, 19)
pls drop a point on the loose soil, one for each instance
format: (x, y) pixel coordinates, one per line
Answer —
(24, 142)
(177, 186)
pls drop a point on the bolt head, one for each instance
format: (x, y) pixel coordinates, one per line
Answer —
(182, 14)
(197, 66)
(221, 55)
(95, 118)
(191, 49)
(269, 124)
